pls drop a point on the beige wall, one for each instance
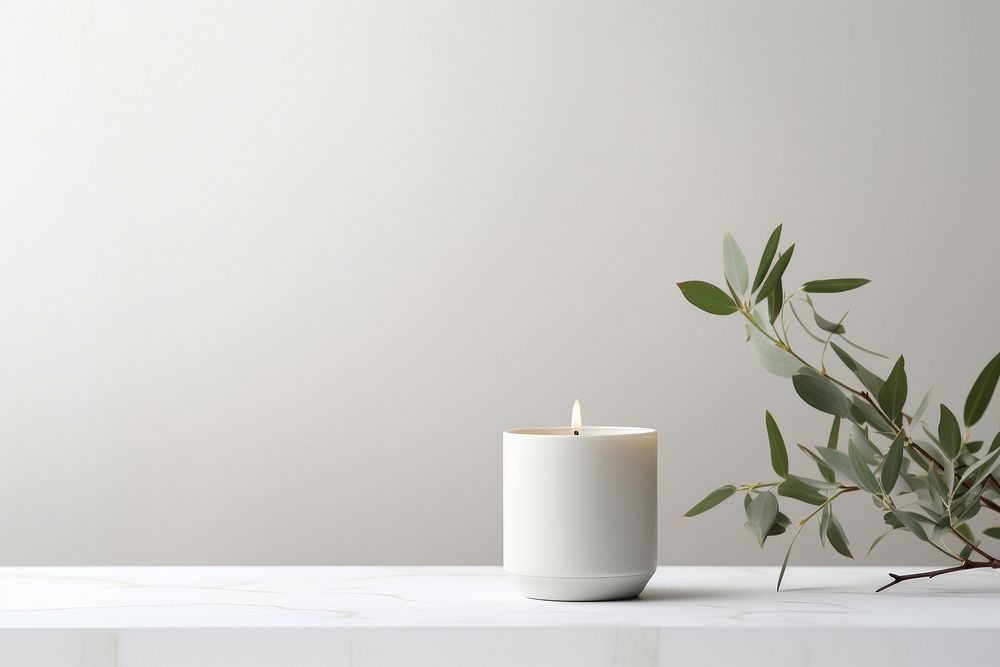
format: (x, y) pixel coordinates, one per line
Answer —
(275, 275)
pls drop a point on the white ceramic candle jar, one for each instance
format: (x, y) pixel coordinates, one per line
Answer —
(579, 511)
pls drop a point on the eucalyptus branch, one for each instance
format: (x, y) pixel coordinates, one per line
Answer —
(946, 501)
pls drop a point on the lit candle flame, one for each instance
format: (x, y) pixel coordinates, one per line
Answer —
(576, 421)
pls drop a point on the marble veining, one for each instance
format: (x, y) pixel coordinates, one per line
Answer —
(443, 616)
(480, 597)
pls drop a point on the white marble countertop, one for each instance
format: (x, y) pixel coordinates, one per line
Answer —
(125, 606)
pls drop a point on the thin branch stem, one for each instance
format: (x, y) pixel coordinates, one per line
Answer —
(966, 565)
(757, 485)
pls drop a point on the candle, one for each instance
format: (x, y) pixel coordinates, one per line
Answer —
(579, 510)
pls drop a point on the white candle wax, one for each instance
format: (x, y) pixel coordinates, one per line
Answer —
(579, 511)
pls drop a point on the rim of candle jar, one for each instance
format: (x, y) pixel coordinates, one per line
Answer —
(584, 432)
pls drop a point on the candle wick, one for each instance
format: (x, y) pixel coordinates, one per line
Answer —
(576, 433)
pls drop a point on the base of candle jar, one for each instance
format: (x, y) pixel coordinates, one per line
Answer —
(581, 589)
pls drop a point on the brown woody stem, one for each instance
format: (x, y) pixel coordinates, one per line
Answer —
(966, 565)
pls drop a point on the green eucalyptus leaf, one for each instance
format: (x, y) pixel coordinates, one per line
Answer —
(949, 433)
(777, 529)
(775, 298)
(805, 329)
(993, 532)
(839, 462)
(862, 412)
(832, 285)
(735, 265)
(922, 407)
(932, 450)
(821, 394)
(767, 257)
(893, 463)
(763, 511)
(711, 500)
(779, 454)
(869, 452)
(708, 297)
(877, 540)
(793, 488)
(862, 473)
(911, 522)
(969, 507)
(872, 382)
(823, 323)
(824, 523)
(772, 358)
(862, 349)
(837, 537)
(933, 511)
(818, 484)
(995, 444)
(914, 482)
(982, 391)
(941, 528)
(948, 475)
(892, 395)
(812, 372)
(922, 462)
(784, 563)
(828, 326)
(857, 415)
(981, 470)
(834, 437)
(774, 277)
(780, 525)
(824, 469)
(967, 533)
(938, 489)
